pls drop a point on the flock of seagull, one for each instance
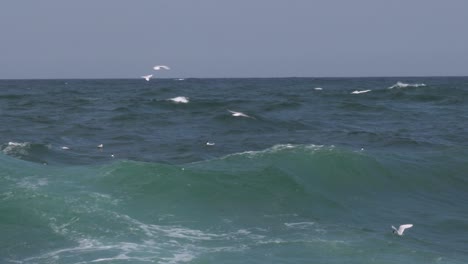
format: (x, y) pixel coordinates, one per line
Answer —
(178, 99)
(182, 99)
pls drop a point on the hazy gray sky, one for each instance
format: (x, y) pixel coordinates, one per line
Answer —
(241, 38)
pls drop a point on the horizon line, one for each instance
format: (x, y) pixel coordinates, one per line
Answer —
(283, 77)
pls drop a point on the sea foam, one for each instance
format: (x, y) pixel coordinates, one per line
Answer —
(405, 85)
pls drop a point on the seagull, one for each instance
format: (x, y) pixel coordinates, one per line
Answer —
(147, 77)
(210, 143)
(360, 92)
(100, 146)
(401, 229)
(65, 148)
(318, 88)
(180, 99)
(234, 113)
(159, 67)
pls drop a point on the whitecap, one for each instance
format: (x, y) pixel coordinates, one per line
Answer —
(32, 184)
(405, 85)
(19, 148)
(275, 149)
(360, 92)
(299, 225)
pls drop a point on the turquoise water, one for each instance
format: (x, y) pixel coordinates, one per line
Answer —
(315, 176)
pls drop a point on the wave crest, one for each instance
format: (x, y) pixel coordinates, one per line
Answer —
(405, 85)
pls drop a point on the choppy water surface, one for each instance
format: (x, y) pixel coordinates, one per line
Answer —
(317, 173)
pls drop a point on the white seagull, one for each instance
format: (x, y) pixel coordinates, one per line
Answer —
(234, 113)
(180, 99)
(147, 77)
(360, 92)
(100, 146)
(159, 67)
(401, 229)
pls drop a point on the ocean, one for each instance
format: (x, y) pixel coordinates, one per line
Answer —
(317, 171)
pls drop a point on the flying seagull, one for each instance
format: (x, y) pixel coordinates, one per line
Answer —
(360, 92)
(234, 113)
(401, 229)
(159, 67)
(147, 77)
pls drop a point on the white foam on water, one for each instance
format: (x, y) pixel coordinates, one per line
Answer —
(6, 196)
(20, 148)
(32, 183)
(180, 258)
(86, 246)
(360, 91)
(106, 198)
(299, 225)
(15, 144)
(169, 244)
(274, 149)
(405, 85)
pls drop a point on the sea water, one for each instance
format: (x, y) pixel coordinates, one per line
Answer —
(311, 176)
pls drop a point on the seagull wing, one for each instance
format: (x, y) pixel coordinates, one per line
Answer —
(394, 228)
(403, 227)
(234, 113)
(158, 67)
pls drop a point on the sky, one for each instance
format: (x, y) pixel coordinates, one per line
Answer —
(242, 38)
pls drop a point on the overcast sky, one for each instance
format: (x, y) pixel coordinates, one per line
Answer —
(237, 38)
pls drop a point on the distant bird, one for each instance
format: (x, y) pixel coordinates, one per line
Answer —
(234, 113)
(159, 67)
(318, 88)
(100, 146)
(147, 77)
(210, 143)
(180, 99)
(65, 148)
(401, 229)
(360, 92)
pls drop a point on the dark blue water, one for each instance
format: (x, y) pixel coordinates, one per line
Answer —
(317, 173)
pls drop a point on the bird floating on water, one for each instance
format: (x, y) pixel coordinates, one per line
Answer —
(147, 77)
(239, 114)
(401, 229)
(100, 146)
(180, 99)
